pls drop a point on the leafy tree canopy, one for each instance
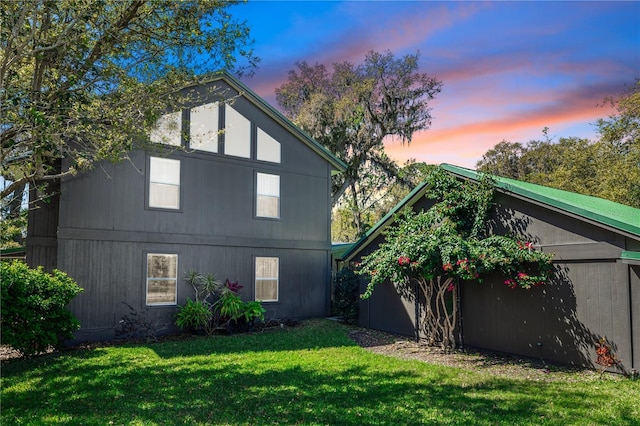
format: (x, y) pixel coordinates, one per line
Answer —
(377, 203)
(353, 109)
(85, 79)
(449, 242)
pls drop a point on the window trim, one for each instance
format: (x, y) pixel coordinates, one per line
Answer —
(176, 135)
(227, 131)
(148, 183)
(257, 194)
(148, 278)
(256, 279)
(258, 131)
(217, 106)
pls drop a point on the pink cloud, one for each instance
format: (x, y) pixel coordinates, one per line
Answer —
(464, 143)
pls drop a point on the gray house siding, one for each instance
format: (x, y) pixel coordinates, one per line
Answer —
(101, 228)
(113, 273)
(42, 228)
(593, 294)
(562, 321)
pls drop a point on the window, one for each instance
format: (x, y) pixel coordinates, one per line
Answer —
(162, 279)
(164, 183)
(237, 134)
(204, 128)
(268, 195)
(267, 279)
(268, 148)
(168, 129)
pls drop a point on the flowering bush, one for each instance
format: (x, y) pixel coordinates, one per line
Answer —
(447, 243)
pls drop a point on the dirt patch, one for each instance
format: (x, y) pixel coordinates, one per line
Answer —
(497, 364)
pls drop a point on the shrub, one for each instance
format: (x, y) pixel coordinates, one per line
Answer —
(33, 305)
(345, 295)
(253, 310)
(137, 325)
(194, 314)
(229, 305)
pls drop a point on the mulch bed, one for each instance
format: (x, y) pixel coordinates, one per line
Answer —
(498, 364)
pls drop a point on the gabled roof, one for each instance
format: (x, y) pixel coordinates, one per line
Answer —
(603, 212)
(337, 164)
(615, 216)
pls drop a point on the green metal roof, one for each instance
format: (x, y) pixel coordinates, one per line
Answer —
(605, 212)
(338, 249)
(608, 213)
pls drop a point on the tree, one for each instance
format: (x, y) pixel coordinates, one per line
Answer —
(448, 243)
(380, 202)
(620, 137)
(86, 80)
(622, 129)
(353, 109)
(608, 168)
(504, 159)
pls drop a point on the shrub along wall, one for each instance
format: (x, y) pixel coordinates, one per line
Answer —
(33, 307)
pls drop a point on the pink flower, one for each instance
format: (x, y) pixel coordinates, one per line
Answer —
(404, 260)
(522, 276)
(447, 267)
(510, 283)
(451, 287)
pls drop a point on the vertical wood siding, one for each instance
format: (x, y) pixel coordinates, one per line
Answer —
(102, 229)
(593, 294)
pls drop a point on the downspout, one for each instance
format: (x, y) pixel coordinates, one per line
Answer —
(417, 309)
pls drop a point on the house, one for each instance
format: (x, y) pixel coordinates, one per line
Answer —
(233, 189)
(595, 291)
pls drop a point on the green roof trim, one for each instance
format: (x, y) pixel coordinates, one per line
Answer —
(630, 255)
(13, 250)
(338, 249)
(316, 146)
(605, 212)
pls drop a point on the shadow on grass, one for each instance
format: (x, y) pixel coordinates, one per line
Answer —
(262, 379)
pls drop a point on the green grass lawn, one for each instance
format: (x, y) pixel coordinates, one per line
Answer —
(310, 375)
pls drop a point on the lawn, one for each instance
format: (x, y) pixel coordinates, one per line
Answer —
(309, 375)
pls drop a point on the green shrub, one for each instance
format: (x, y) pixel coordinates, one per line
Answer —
(194, 314)
(33, 307)
(229, 305)
(253, 310)
(346, 295)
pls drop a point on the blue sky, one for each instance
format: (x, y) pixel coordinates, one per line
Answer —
(509, 68)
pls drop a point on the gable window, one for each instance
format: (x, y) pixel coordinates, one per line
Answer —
(268, 149)
(164, 183)
(162, 279)
(237, 134)
(168, 129)
(267, 273)
(204, 128)
(267, 195)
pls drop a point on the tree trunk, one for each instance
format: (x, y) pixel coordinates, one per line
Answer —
(439, 320)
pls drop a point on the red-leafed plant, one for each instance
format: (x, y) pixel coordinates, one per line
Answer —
(606, 357)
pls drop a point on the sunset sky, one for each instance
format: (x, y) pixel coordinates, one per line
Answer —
(509, 68)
